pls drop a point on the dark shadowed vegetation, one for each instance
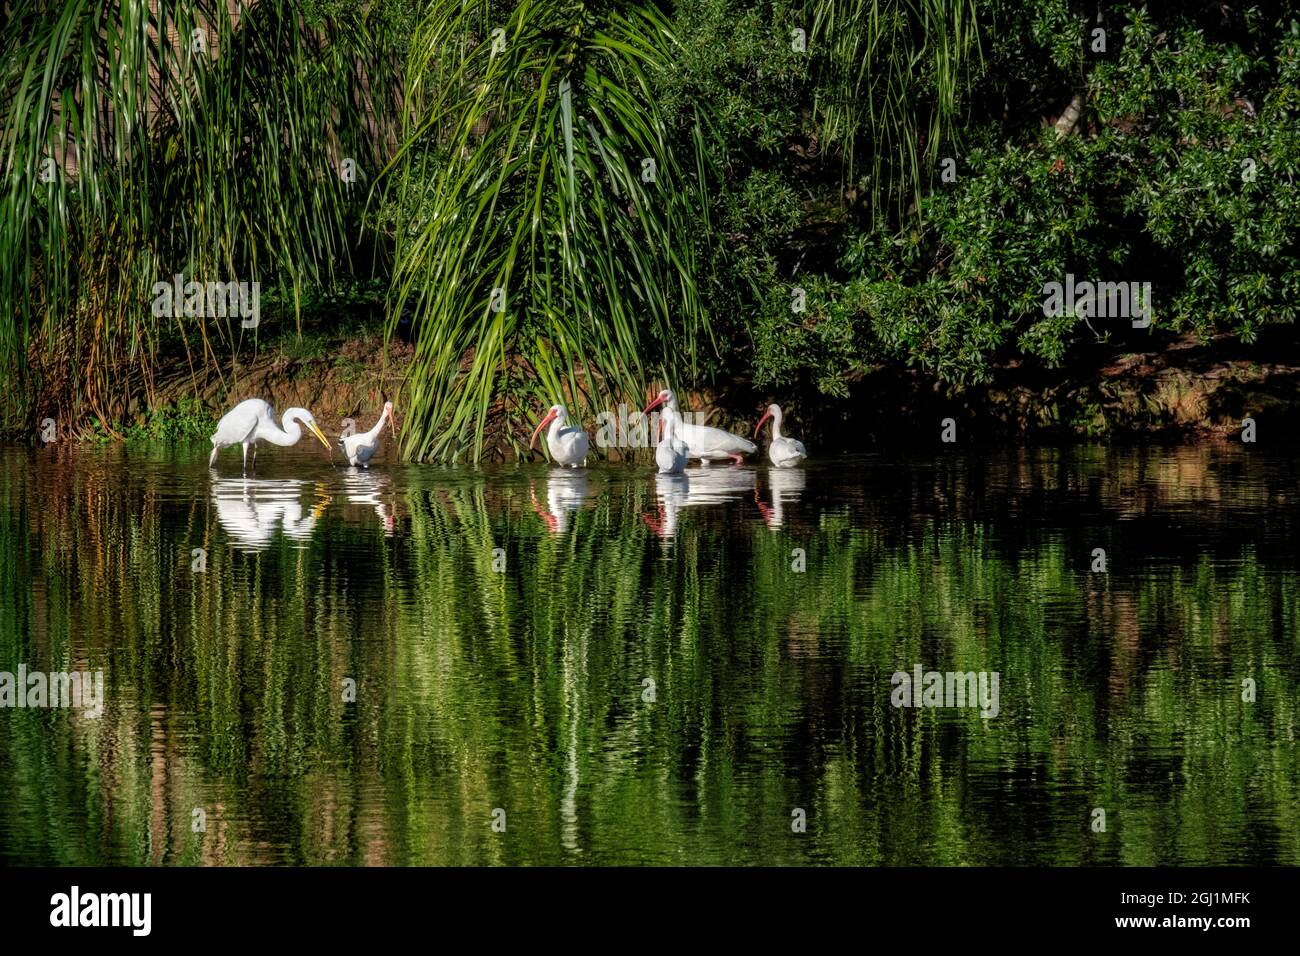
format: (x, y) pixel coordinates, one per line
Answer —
(808, 201)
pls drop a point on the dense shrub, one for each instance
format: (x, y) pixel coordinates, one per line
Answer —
(1180, 171)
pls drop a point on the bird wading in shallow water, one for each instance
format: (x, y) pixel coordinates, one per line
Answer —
(784, 452)
(568, 444)
(359, 448)
(253, 420)
(670, 453)
(703, 441)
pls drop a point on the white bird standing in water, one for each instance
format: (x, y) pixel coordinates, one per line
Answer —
(704, 441)
(253, 420)
(360, 447)
(784, 452)
(568, 444)
(670, 454)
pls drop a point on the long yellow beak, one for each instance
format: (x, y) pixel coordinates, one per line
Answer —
(316, 431)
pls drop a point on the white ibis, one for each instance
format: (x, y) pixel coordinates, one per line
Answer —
(704, 441)
(253, 420)
(670, 454)
(359, 448)
(568, 444)
(784, 452)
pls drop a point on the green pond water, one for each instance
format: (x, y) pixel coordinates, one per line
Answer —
(604, 667)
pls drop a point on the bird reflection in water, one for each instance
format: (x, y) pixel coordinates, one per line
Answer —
(784, 485)
(693, 488)
(673, 492)
(253, 511)
(566, 492)
(369, 488)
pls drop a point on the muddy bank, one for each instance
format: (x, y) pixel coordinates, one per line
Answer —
(1181, 389)
(336, 379)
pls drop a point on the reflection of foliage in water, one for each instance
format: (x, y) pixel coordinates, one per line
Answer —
(523, 689)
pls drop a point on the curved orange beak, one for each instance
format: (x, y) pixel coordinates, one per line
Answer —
(655, 404)
(392, 421)
(550, 417)
(766, 416)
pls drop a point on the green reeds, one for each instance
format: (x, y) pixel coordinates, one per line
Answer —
(141, 140)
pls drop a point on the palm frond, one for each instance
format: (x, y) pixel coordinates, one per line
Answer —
(546, 243)
(889, 78)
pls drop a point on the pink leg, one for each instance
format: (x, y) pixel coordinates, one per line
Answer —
(735, 459)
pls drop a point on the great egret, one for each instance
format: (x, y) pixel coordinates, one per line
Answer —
(360, 447)
(253, 420)
(704, 441)
(568, 444)
(784, 452)
(670, 454)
